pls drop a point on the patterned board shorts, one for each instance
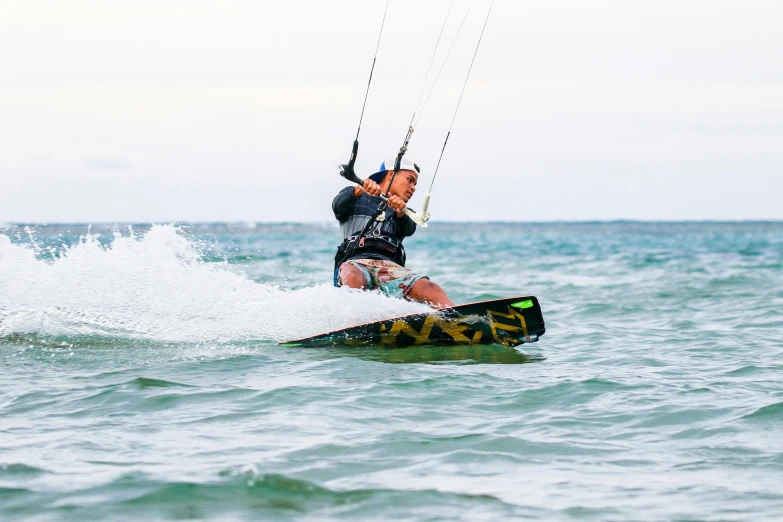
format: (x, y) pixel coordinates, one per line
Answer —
(390, 278)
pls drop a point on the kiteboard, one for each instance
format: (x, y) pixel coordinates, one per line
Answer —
(507, 322)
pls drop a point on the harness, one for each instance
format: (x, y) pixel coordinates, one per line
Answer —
(373, 242)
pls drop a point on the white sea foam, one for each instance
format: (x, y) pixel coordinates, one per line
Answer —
(156, 287)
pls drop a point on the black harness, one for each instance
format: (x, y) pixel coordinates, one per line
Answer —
(372, 243)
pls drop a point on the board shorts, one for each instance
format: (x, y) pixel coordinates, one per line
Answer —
(390, 278)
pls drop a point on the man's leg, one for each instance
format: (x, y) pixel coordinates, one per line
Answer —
(352, 277)
(428, 292)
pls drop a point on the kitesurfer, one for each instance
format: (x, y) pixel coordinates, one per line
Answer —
(376, 260)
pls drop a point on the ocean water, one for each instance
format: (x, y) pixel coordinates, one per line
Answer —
(141, 377)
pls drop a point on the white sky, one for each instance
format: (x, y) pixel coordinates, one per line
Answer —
(120, 110)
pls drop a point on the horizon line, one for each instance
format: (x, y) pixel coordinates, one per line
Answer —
(7, 224)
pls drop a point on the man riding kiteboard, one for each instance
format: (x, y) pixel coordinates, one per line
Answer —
(371, 256)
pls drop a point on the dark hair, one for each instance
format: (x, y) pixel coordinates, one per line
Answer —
(386, 174)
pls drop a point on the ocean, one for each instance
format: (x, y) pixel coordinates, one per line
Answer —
(142, 376)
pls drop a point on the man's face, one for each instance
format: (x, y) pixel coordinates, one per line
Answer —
(404, 183)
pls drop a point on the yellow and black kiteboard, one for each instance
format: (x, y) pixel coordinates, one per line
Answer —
(508, 322)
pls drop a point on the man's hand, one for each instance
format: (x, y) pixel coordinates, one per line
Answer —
(398, 204)
(370, 187)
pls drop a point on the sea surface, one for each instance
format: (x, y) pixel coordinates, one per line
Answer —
(141, 377)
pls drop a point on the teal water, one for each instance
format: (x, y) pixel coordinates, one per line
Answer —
(142, 377)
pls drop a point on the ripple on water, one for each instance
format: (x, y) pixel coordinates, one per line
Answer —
(248, 495)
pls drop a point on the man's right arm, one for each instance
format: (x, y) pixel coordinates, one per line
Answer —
(345, 201)
(343, 204)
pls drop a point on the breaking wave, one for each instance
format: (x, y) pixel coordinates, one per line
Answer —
(157, 286)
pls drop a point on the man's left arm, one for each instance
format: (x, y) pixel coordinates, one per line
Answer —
(405, 225)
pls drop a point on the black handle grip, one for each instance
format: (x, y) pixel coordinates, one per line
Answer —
(354, 151)
(346, 171)
(350, 175)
